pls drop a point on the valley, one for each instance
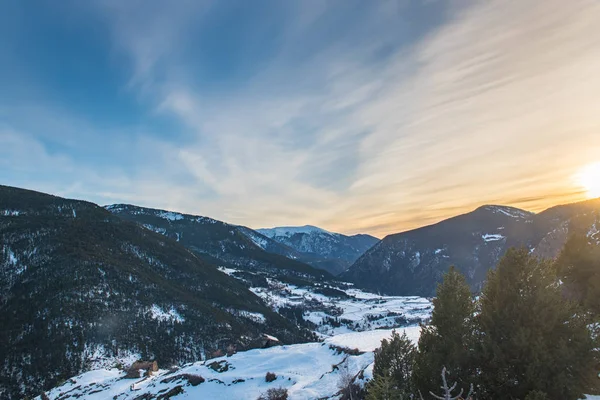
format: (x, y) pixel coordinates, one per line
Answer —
(219, 305)
(350, 324)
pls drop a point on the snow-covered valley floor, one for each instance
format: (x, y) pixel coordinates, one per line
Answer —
(346, 319)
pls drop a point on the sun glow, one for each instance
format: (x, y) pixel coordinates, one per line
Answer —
(589, 179)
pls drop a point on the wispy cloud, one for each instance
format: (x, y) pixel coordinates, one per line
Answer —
(358, 118)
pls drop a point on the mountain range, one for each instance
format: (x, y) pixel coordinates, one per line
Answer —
(278, 249)
(84, 286)
(81, 286)
(413, 262)
(221, 243)
(330, 251)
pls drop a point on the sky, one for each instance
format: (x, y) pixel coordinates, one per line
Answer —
(356, 116)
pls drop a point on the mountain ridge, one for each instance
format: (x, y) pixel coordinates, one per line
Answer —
(329, 250)
(412, 262)
(308, 246)
(231, 245)
(291, 230)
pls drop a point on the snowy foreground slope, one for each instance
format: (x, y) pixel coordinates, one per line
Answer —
(308, 371)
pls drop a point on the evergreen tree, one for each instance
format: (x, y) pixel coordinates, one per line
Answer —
(536, 395)
(448, 340)
(531, 338)
(578, 266)
(394, 360)
(382, 387)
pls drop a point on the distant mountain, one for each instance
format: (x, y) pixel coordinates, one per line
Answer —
(82, 288)
(327, 250)
(221, 243)
(299, 251)
(413, 262)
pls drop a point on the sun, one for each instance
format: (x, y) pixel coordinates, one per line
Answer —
(589, 179)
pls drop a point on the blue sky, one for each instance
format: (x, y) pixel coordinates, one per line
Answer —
(356, 116)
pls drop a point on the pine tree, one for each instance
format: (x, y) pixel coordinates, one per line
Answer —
(383, 388)
(536, 395)
(532, 339)
(578, 266)
(448, 340)
(395, 359)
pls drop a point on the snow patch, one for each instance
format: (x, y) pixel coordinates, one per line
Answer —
(99, 357)
(156, 229)
(12, 259)
(370, 340)
(205, 220)
(10, 213)
(492, 237)
(170, 315)
(508, 211)
(288, 231)
(228, 271)
(258, 240)
(594, 233)
(170, 215)
(254, 316)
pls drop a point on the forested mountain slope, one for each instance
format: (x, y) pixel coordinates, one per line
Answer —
(81, 286)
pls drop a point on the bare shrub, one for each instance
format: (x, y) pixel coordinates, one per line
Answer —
(274, 394)
(270, 377)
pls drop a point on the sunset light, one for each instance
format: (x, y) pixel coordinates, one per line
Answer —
(589, 179)
(300, 199)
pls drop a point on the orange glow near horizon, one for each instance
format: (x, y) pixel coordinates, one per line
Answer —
(589, 179)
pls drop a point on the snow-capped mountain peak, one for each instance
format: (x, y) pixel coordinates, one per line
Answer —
(508, 211)
(323, 249)
(288, 231)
